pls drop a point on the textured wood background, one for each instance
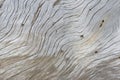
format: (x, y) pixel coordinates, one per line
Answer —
(59, 39)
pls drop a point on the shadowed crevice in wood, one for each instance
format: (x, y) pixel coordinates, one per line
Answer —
(1, 3)
(56, 2)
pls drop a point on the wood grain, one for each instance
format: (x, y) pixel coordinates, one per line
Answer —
(59, 39)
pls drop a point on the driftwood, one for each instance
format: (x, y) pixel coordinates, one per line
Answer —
(59, 39)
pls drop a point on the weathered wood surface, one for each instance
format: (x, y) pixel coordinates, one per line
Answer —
(59, 39)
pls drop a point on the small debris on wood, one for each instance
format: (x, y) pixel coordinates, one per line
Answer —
(96, 51)
(81, 36)
(22, 24)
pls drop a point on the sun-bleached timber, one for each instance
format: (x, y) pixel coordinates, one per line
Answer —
(59, 39)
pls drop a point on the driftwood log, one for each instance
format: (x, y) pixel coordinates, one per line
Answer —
(59, 39)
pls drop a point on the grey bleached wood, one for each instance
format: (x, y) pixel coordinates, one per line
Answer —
(59, 39)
